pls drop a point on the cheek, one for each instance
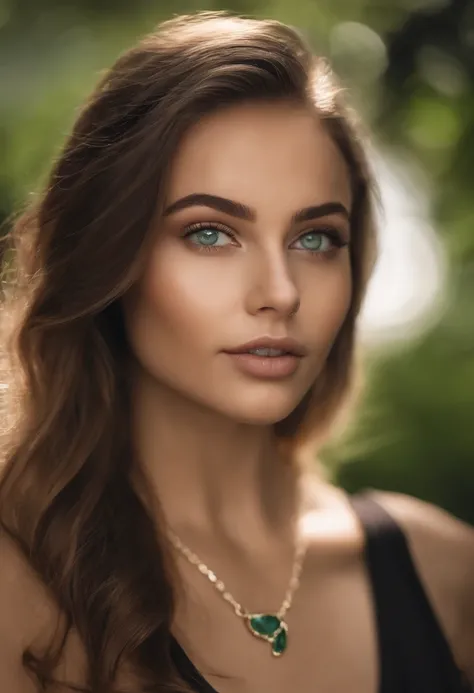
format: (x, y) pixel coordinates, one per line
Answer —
(326, 303)
(178, 307)
(184, 295)
(339, 300)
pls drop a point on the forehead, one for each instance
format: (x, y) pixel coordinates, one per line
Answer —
(264, 155)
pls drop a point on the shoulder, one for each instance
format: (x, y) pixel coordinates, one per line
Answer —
(442, 547)
(26, 615)
(22, 593)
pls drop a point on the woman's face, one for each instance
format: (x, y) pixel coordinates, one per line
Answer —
(252, 245)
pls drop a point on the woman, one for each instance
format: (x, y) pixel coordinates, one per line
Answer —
(189, 284)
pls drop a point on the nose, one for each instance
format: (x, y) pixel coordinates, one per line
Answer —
(272, 287)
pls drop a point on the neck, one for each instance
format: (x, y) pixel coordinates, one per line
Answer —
(208, 473)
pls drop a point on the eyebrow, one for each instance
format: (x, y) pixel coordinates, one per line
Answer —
(241, 211)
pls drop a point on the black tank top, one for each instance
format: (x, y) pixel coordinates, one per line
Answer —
(414, 654)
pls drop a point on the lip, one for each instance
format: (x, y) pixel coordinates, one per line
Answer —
(266, 367)
(287, 344)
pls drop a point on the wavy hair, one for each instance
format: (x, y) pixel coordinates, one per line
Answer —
(66, 492)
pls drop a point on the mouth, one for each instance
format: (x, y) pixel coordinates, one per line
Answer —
(268, 358)
(270, 347)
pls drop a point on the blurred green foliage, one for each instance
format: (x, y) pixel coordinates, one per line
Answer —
(409, 66)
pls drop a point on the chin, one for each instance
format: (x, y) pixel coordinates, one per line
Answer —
(260, 411)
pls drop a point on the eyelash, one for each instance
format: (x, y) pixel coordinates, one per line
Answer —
(333, 234)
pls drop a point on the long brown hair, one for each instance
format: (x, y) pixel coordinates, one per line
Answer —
(66, 496)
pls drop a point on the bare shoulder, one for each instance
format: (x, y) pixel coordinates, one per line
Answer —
(442, 547)
(27, 615)
(25, 605)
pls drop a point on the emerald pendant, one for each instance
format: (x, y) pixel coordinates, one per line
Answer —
(279, 643)
(270, 628)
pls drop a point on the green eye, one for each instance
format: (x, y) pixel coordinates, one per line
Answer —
(208, 237)
(315, 242)
(320, 241)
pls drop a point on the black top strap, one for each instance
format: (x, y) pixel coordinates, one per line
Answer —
(414, 654)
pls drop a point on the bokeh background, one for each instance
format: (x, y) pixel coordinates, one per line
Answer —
(408, 67)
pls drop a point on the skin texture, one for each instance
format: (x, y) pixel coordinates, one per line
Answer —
(203, 430)
(194, 302)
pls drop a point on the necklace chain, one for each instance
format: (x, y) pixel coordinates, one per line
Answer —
(220, 586)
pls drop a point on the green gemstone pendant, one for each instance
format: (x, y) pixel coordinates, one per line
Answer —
(270, 628)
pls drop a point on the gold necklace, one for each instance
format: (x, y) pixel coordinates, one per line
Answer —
(269, 627)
